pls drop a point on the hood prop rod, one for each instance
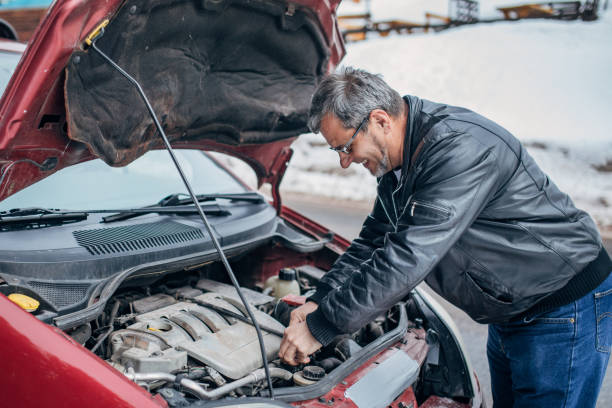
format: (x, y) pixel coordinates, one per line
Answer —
(91, 40)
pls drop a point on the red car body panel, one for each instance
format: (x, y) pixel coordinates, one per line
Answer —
(42, 366)
(35, 94)
(413, 344)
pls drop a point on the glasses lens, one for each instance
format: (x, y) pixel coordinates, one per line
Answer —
(346, 149)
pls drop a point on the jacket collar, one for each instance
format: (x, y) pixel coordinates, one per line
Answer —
(412, 138)
(413, 135)
(388, 185)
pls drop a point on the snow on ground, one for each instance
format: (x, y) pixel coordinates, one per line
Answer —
(548, 82)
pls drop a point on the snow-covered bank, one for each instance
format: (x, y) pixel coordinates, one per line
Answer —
(548, 82)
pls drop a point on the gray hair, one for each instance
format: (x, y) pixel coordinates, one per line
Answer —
(351, 95)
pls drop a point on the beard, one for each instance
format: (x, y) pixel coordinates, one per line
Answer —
(383, 165)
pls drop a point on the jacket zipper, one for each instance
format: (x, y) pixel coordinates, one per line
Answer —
(428, 205)
(382, 204)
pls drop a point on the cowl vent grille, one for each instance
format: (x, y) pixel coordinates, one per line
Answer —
(61, 294)
(132, 238)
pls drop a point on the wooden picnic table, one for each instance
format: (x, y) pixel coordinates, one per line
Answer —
(551, 9)
(526, 11)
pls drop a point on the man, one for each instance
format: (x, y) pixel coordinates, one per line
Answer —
(464, 207)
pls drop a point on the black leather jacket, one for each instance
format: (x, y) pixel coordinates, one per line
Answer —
(475, 217)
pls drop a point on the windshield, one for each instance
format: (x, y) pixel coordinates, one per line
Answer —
(95, 185)
(8, 62)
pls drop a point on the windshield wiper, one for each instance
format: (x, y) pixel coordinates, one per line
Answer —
(38, 217)
(175, 200)
(174, 209)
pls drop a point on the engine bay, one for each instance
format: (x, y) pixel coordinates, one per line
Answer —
(179, 329)
(191, 328)
(176, 326)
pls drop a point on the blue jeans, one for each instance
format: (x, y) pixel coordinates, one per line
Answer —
(556, 359)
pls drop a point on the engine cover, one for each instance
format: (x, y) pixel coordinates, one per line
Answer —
(162, 339)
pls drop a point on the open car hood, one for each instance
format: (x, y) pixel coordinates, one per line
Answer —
(235, 76)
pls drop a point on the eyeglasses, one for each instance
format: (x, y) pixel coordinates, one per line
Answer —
(347, 146)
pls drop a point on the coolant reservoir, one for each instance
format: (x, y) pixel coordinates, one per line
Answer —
(287, 283)
(25, 302)
(283, 284)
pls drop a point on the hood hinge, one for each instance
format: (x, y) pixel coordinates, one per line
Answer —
(275, 176)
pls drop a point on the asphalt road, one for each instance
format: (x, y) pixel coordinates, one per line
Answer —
(345, 218)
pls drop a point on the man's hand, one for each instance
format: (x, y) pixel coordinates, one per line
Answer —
(299, 314)
(298, 343)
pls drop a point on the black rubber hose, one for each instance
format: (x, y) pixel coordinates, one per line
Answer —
(113, 314)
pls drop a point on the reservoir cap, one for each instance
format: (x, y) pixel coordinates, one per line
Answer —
(287, 274)
(25, 302)
(313, 373)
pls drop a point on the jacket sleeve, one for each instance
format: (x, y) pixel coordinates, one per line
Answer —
(454, 182)
(371, 237)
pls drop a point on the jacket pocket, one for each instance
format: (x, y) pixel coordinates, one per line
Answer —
(425, 212)
(501, 299)
(483, 280)
(603, 314)
(479, 302)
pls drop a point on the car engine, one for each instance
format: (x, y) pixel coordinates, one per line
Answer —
(167, 331)
(194, 331)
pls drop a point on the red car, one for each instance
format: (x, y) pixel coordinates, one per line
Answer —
(113, 292)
